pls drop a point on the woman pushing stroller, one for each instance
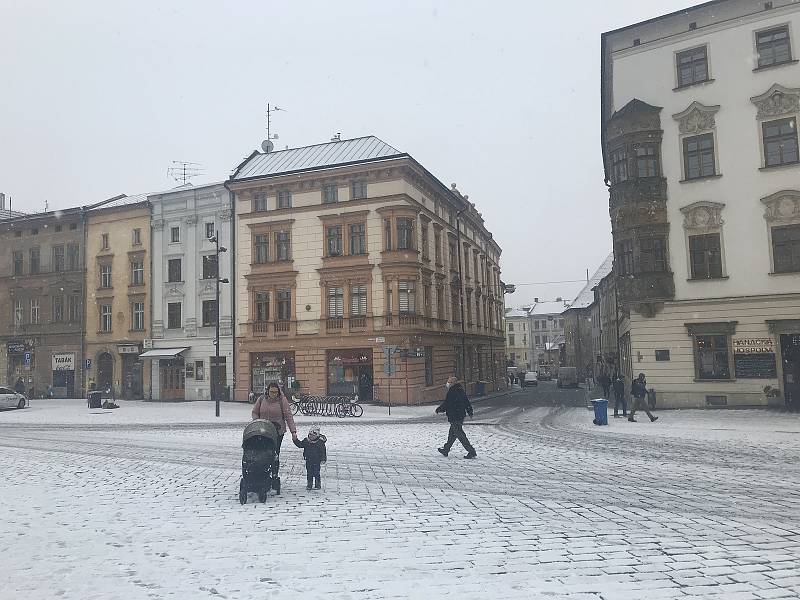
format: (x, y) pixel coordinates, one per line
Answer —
(274, 407)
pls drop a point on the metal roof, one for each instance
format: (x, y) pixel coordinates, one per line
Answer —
(514, 313)
(547, 308)
(332, 154)
(585, 297)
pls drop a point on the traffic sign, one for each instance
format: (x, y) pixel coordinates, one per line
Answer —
(88, 363)
(27, 358)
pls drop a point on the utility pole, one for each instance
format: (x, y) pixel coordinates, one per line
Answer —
(215, 373)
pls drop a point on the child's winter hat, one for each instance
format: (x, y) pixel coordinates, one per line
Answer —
(313, 433)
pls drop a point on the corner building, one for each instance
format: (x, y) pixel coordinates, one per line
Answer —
(348, 247)
(700, 111)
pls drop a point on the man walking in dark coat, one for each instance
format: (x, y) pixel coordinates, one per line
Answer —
(619, 395)
(456, 406)
(639, 392)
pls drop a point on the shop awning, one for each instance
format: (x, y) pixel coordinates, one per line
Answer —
(162, 353)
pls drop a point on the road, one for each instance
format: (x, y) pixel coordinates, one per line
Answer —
(697, 505)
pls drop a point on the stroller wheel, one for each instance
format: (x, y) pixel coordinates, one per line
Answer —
(242, 492)
(262, 496)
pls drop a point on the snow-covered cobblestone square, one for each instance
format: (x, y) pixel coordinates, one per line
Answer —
(702, 504)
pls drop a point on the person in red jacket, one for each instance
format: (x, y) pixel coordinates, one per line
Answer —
(456, 406)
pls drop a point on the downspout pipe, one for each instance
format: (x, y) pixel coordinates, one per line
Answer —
(461, 296)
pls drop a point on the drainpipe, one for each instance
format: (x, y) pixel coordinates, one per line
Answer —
(461, 297)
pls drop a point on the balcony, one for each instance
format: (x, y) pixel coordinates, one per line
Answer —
(646, 287)
(334, 324)
(358, 322)
(271, 329)
(643, 189)
(408, 319)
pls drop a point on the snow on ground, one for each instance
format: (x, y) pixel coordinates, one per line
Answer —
(552, 508)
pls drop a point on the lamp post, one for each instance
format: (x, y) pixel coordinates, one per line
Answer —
(217, 251)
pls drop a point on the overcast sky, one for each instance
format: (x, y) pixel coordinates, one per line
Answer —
(97, 99)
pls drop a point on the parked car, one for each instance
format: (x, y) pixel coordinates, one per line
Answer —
(567, 377)
(544, 376)
(11, 399)
(530, 379)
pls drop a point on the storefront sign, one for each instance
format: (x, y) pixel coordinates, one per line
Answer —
(753, 346)
(128, 349)
(15, 347)
(64, 362)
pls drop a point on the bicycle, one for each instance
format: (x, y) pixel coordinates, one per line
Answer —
(349, 407)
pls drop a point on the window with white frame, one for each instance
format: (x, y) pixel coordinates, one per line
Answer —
(105, 276)
(335, 302)
(19, 313)
(105, 318)
(174, 235)
(137, 316)
(406, 299)
(358, 301)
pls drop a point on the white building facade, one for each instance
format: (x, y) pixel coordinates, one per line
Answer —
(700, 114)
(184, 310)
(519, 350)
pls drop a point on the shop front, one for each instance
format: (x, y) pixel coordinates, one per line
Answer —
(266, 367)
(20, 359)
(171, 372)
(63, 367)
(132, 367)
(350, 372)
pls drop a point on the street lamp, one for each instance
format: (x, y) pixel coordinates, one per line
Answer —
(214, 375)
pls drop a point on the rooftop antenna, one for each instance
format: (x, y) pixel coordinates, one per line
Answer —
(183, 171)
(267, 146)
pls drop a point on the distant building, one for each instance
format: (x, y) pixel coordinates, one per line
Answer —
(700, 109)
(547, 331)
(519, 349)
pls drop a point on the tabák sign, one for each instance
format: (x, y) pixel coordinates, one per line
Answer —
(64, 362)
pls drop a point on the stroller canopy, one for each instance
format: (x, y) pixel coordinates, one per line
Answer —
(260, 428)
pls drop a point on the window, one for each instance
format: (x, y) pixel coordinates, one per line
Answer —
(261, 248)
(174, 270)
(173, 315)
(647, 161)
(137, 237)
(358, 190)
(786, 248)
(105, 276)
(544, 340)
(137, 316)
(692, 66)
(437, 247)
(209, 266)
(58, 259)
(387, 233)
(426, 300)
(209, 230)
(35, 311)
(262, 307)
(625, 264)
(330, 194)
(284, 305)
(17, 266)
(174, 234)
(19, 315)
(73, 226)
(58, 309)
(358, 239)
(511, 340)
(58, 228)
(451, 255)
(511, 327)
(561, 323)
(619, 165)
(34, 231)
(283, 243)
(406, 297)
(209, 313)
(705, 256)
(137, 273)
(72, 257)
(104, 242)
(711, 356)
(536, 324)
(698, 156)
(773, 46)
(333, 235)
(74, 308)
(425, 251)
(652, 255)
(780, 142)
(429, 365)
(358, 301)
(35, 261)
(284, 199)
(105, 317)
(466, 261)
(537, 340)
(260, 203)
(335, 302)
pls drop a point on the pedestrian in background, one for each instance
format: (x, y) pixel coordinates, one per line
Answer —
(619, 395)
(605, 383)
(639, 393)
(456, 406)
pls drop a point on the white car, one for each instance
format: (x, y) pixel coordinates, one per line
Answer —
(530, 379)
(11, 399)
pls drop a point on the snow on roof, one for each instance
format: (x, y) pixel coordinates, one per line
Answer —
(547, 308)
(516, 313)
(585, 297)
(331, 154)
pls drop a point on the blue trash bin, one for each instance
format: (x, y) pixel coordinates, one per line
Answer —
(600, 411)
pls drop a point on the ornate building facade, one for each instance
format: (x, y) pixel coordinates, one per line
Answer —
(349, 251)
(700, 147)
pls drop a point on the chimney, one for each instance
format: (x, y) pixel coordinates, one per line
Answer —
(2, 201)
(536, 300)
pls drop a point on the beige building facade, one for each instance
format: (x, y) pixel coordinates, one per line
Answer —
(347, 250)
(118, 297)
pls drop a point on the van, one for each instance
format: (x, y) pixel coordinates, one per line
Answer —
(567, 377)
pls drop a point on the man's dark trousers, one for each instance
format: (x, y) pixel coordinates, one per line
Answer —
(457, 432)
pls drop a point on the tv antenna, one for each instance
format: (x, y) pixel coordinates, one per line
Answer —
(183, 171)
(267, 145)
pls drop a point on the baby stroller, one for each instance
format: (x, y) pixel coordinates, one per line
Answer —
(259, 461)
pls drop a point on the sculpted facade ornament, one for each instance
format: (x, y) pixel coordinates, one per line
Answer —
(777, 101)
(158, 224)
(191, 220)
(697, 118)
(703, 215)
(782, 207)
(226, 215)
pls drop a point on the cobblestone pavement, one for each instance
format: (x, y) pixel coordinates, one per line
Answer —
(550, 509)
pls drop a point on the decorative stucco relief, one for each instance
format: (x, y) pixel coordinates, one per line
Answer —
(704, 215)
(697, 118)
(158, 224)
(777, 101)
(782, 207)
